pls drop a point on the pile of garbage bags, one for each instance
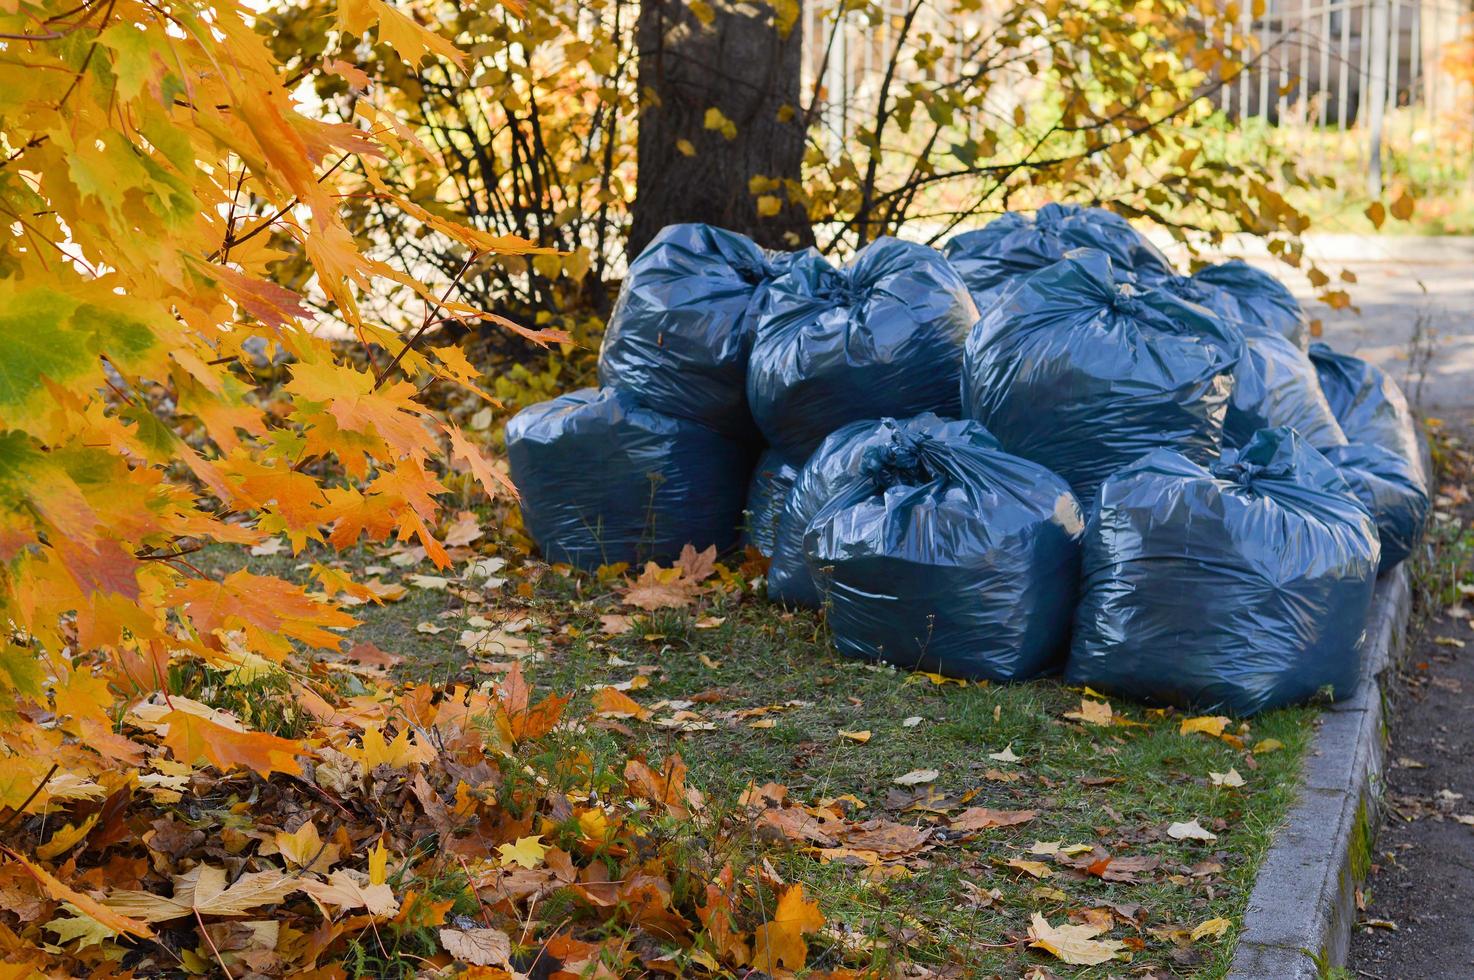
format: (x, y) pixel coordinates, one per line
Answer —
(1040, 449)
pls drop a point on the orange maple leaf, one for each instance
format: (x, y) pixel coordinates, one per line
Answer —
(192, 737)
(518, 722)
(89, 906)
(780, 941)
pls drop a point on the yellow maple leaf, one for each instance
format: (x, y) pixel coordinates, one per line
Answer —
(305, 848)
(1210, 927)
(780, 941)
(1205, 724)
(378, 863)
(1092, 713)
(527, 852)
(1074, 944)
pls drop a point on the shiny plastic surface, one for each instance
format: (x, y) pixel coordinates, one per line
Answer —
(767, 492)
(1233, 590)
(1384, 461)
(604, 479)
(1275, 384)
(1256, 300)
(880, 336)
(680, 332)
(1083, 373)
(1018, 243)
(947, 554)
(835, 464)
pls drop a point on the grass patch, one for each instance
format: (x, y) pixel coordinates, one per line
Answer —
(748, 693)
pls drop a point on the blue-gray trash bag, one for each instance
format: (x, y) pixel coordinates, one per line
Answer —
(1368, 404)
(949, 555)
(881, 336)
(1392, 489)
(1237, 588)
(1018, 243)
(1083, 373)
(603, 479)
(1384, 461)
(1275, 384)
(681, 331)
(1257, 301)
(833, 465)
(767, 492)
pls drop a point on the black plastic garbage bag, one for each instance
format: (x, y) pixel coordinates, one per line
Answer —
(1234, 589)
(1275, 384)
(1384, 461)
(835, 464)
(1257, 301)
(603, 479)
(680, 333)
(1017, 243)
(767, 492)
(949, 555)
(881, 336)
(1392, 489)
(1083, 373)
(1369, 405)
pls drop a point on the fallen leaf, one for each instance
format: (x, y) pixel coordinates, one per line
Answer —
(1091, 712)
(911, 722)
(58, 890)
(611, 703)
(349, 889)
(779, 943)
(1191, 830)
(1073, 944)
(660, 588)
(1204, 724)
(527, 852)
(434, 583)
(981, 818)
(202, 891)
(1267, 745)
(862, 736)
(1038, 869)
(916, 777)
(1005, 756)
(478, 947)
(430, 629)
(1230, 778)
(1210, 927)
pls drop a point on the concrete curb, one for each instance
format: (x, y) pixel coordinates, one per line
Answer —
(1300, 914)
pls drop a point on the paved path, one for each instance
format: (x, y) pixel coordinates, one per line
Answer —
(1416, 300)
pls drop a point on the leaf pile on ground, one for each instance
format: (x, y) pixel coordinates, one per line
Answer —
(928, 819)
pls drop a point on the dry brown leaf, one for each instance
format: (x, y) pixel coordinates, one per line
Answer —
(478, 947)
(976, 818)
(202, 890)
(351, 890)
(661, 588)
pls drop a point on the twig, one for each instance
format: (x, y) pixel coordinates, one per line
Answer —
(27, 801)
(430, 311)
(206, 933)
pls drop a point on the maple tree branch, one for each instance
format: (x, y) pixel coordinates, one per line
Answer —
(230, 242)
(430, 311)
(92, 50)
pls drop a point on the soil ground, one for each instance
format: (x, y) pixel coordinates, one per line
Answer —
(1415, 920)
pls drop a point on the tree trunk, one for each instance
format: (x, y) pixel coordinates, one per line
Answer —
(744, 67)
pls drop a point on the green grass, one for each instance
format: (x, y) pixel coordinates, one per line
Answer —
(1117, 787)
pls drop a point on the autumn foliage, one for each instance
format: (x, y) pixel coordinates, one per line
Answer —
(161, 391)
